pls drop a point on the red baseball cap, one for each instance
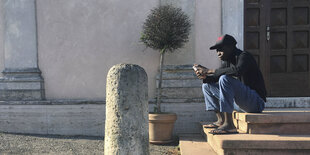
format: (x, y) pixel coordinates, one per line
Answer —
(224, 40)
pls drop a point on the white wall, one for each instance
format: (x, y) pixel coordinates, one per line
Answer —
(233, 20)
(208, 29)
(79, 41)
(1, 37)
(185, 55)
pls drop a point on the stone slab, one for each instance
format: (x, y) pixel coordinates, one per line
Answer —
(178, 67)
(194, 144)
(278, 128)
(258, 143)
(185, 83)
(177, 75)
(85, 117)
(16, 95)
(53, 102)
(275, 117)
(178, 100)
(53, 119)
(21, 86)
(295, 122)
(182, 93)
(288, 102)
(75, 120)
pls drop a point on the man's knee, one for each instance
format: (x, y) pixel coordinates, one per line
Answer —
(224, 78)
(205, 86)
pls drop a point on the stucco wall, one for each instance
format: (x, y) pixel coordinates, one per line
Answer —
(208, 29)
(1, 37)
(233, 20)
(185, 55)
(79, 41)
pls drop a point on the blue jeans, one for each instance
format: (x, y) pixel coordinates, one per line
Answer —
(221, 96)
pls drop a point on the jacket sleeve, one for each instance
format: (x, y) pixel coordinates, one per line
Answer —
(210, 79)
(239, 69)
(213, 78)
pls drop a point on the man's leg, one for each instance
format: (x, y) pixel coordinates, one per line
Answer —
(232, 90)
(211, 95)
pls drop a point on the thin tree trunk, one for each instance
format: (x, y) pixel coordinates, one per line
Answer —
(160, 80)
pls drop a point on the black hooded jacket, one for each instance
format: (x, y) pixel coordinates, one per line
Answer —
(243, 66)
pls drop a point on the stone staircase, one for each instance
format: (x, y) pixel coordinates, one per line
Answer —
(284, 128)
(180, 84)
(275, 131)
(289, 122)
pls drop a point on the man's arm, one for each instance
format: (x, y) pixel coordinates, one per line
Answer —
(243, 64)
(205, 74)
(210, 79)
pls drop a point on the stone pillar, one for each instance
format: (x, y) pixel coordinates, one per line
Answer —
(126, 124)
(22, 77)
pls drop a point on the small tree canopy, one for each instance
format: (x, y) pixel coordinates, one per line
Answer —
(166, 28)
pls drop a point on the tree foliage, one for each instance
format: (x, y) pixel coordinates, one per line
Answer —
(166, 28)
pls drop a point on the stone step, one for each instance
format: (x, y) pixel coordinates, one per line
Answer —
(177, 75)
(182, 93)
(187, 67)
(186, 83)
(267, 144)
(270, 105)
(177, 100)
(288, 102)
(178, 72)
(289, 121)
(194, 144)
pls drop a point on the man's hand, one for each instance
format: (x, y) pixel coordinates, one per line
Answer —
(202, 71)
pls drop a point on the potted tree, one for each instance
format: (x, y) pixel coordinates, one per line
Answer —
(165, 30)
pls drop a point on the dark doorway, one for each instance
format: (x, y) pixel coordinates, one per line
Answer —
(277, 33)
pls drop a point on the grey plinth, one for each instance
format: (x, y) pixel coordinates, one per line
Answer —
(126, 125)
(22, 77)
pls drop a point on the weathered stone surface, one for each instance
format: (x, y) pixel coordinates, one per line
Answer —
(185, 83)
(126, 125)
(194, 144)
(79, 119)
(177, 75)
(179, 83)
(53, 102)
(288, 102)
(182, 92)
(22, 86)
(178, 100)
(296, 122)
(22, 77)
(258, 143)
(178, 67)
(20, 34)
(85, 117)
(7, 95)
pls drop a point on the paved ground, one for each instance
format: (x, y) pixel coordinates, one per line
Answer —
(63, 145)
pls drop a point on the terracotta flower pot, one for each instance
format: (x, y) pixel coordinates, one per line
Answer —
(161, 127)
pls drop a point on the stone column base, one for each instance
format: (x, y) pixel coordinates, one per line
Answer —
(25, 84)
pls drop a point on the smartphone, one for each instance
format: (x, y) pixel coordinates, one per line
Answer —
(195, 68)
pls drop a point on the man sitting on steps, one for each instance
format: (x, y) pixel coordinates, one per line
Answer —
(238, 80)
